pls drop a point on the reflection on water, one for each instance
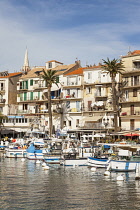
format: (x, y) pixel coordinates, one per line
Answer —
(25, 185)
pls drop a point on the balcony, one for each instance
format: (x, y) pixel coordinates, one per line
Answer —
(24, 111)
(38, 86)
(100, 95)
(29, 99)
(2, 90)
(2, 101)
(128, 114)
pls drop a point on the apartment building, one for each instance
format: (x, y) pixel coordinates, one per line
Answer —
(8, 92)
(97, 99)
(32, 97)
(130, 102)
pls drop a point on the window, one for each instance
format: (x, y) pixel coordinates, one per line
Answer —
(126, 95)
(132, 110)
(89, 75)
(69, 122)
(25, 106)
(57, 79)
(134, 92)
(88, 90)
(31, 95)
(68, 104)
(131, 81)
(136, 80)
(126, 81)
(132, 124)
(1, 86)
(50, 65)
(31, 82)
(77, 122)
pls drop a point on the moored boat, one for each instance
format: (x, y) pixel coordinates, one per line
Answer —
(34, 153)
(15, 153)
(98, 162)
(125, 165)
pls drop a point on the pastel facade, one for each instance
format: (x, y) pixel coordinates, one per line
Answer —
(130, 103)
(97, 100)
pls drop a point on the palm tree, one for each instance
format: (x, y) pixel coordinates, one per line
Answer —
(113, 67)
(50, 77)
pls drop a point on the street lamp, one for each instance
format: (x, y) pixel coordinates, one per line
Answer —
(106, 123)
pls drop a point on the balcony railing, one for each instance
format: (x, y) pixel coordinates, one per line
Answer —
(29, 99)
(99, 95)
(72, 83)
(130, 113)
(2, 101)
(2, 89)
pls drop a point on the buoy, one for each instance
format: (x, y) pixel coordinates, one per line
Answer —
(107, 172)
(137, 177)
(22, 159)
(46, 167)
(120, 178)
(93, 169)
(43, 164)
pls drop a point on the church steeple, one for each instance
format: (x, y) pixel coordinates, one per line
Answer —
(26, 66)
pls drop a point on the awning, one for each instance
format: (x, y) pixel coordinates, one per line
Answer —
(92, 119)
(15, 117)
(131, 134)
(8, 131)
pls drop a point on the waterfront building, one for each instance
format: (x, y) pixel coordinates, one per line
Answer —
(32, 97)
(8, 92)
(73, 98)
(97, 99)
(130, 102)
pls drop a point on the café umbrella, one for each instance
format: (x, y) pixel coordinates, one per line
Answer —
(131, 134)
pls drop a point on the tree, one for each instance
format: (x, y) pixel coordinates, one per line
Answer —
(113, 67)
(50, 77)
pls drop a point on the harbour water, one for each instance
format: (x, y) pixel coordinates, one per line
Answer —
(25, 185)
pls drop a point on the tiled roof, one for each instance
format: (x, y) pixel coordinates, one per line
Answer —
(60, 70)
(31, 73)
(135, 52)
(75, 72)
(11, 75)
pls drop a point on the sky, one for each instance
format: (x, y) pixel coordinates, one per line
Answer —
(67, 30)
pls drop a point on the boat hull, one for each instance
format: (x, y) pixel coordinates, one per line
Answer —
(15, 153)
(35, 156)
(75, 162)
(97, 162)
(124, 166)
(52, 160)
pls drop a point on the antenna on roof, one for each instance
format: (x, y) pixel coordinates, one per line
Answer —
(129, 52)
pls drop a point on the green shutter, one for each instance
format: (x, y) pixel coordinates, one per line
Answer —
(57, 79)
(31, 95)
(31, 82)
(26, 83)
(25, 96)
(38, 95)
(22, 84)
